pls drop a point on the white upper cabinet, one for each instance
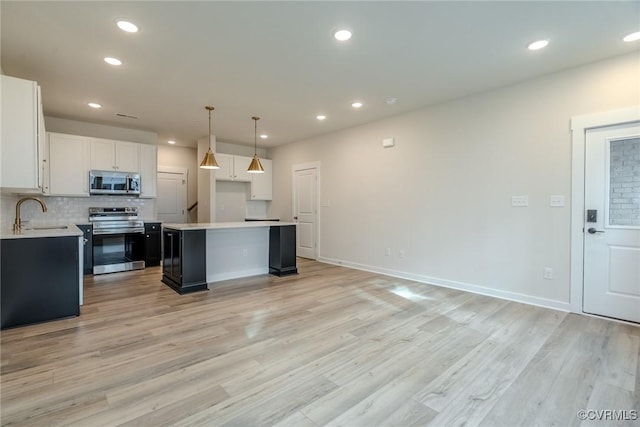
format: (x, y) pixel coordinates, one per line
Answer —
(22, 136)
(148, 170)
(232, 168)
(240, 166)
(262, 183)
(225, 173)
(69, 157)
(127, 156)
(115, 155)
(103, 154)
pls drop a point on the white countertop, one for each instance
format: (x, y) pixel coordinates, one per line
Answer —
(41, 231)
(225, 225)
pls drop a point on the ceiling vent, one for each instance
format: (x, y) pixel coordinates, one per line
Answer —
(126, 116)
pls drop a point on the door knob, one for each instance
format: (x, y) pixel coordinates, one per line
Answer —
(594, 231)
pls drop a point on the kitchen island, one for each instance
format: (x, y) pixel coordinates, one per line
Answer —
(196, 254)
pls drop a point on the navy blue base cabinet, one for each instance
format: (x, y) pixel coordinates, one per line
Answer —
(40, 280)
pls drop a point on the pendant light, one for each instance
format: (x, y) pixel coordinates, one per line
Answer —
(209, 161)
(255, 166)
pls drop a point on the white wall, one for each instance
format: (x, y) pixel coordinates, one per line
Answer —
(231, 201)
(443, 193)
(74, 127)
(239, 150)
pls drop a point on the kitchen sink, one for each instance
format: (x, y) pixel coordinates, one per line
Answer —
(49, 227)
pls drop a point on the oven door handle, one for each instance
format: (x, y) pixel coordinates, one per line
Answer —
(119, 231)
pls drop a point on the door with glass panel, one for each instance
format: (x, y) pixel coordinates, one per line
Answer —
(612, 222)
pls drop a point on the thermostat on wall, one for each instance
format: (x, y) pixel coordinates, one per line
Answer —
(388, 142)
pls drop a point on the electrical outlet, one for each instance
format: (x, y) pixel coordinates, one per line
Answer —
(245, 252)
(520, 201)
(548, 273)
(556, 201)
(387, 251)
(401, 254)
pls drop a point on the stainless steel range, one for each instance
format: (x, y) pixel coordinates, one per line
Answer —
(118, 239)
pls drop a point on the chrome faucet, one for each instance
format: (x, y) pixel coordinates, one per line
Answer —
(17, 224)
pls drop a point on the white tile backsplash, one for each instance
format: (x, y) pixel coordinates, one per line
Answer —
(64, 210)
(256, 209)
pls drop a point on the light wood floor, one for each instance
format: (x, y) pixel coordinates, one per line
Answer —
(331, 346)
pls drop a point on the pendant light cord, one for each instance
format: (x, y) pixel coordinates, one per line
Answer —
(255, 135)
(210, 109)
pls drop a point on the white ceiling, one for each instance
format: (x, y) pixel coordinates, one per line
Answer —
(278, 60)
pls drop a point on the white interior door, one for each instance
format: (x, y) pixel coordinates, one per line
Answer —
(612, 222)
(172, 197)
(305, 211)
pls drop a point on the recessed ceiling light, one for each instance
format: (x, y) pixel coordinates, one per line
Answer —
(356, 104)
(539, 44)
(112, 61)
(632, 37)
(342, 35)
(391, 101)
(321, 117)
(94, 105)
(171, 142)
(264, 136)
(127, 26)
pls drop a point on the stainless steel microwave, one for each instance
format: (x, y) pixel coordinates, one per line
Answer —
(114, 183)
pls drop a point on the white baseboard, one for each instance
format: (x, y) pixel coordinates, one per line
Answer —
(236, 274)
(476, 289)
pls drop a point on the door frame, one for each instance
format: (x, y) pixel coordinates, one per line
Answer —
(300, 167)
(579, 127)
(176, 170)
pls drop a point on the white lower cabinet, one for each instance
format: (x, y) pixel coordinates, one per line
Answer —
(69, 164)
(148, 171)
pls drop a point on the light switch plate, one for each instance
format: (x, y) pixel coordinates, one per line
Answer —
(388, 142)
(556, 201)
(520, 201)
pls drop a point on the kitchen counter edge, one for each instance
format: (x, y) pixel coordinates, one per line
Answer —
(71, 230)
(226, 225)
